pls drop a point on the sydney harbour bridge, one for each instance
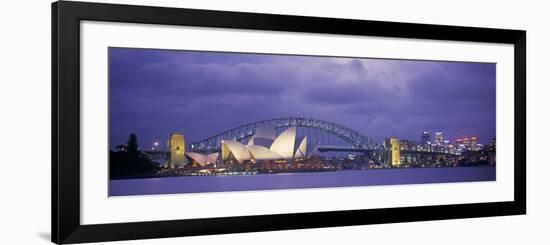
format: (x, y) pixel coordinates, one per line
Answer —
(327, 135)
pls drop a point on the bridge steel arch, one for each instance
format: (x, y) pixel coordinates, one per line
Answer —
(240, 133)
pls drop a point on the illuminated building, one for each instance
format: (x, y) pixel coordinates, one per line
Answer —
(473, 143)
(202, 159)
(407, 145)
(463, 141)
(438, 138)
(468, 143)
(393, 156)
(451, 149)
(425, 138)
(283, 147)
(176, 147)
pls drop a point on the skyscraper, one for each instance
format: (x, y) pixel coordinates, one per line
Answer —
(425, 138)
(438, 138)
(473, 143)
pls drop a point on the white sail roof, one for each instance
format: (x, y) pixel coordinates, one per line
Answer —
(301, 151)
(284, 143)
(203, 159)
(239, 151)
(283, 147)
(262, 153)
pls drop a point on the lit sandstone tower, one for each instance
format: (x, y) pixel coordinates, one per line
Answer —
(393, 155)
(176, 146)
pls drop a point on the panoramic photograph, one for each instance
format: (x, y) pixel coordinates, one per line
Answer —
(185, 121)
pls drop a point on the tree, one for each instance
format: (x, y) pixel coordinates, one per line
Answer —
(133, 145)
(131, 163)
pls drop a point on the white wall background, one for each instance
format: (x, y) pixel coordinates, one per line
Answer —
(25, 124)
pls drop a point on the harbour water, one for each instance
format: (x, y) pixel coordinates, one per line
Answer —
(197, 184)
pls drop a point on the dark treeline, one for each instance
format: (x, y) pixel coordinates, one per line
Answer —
(128, 161)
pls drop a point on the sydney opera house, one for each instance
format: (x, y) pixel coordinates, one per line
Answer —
(202, 159)
(266, 145)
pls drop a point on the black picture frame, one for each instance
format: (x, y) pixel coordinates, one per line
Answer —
(66, 17)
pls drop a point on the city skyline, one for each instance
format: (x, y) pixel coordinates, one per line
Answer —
(156, 92)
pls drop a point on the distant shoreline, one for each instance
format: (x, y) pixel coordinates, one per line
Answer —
(286, 172)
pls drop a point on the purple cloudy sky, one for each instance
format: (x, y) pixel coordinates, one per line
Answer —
(156, 92)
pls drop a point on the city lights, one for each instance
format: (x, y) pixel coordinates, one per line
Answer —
(265, 153)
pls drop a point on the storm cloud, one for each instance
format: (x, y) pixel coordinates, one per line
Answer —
(156, 92)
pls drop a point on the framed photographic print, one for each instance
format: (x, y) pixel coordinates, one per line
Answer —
(177, 122)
